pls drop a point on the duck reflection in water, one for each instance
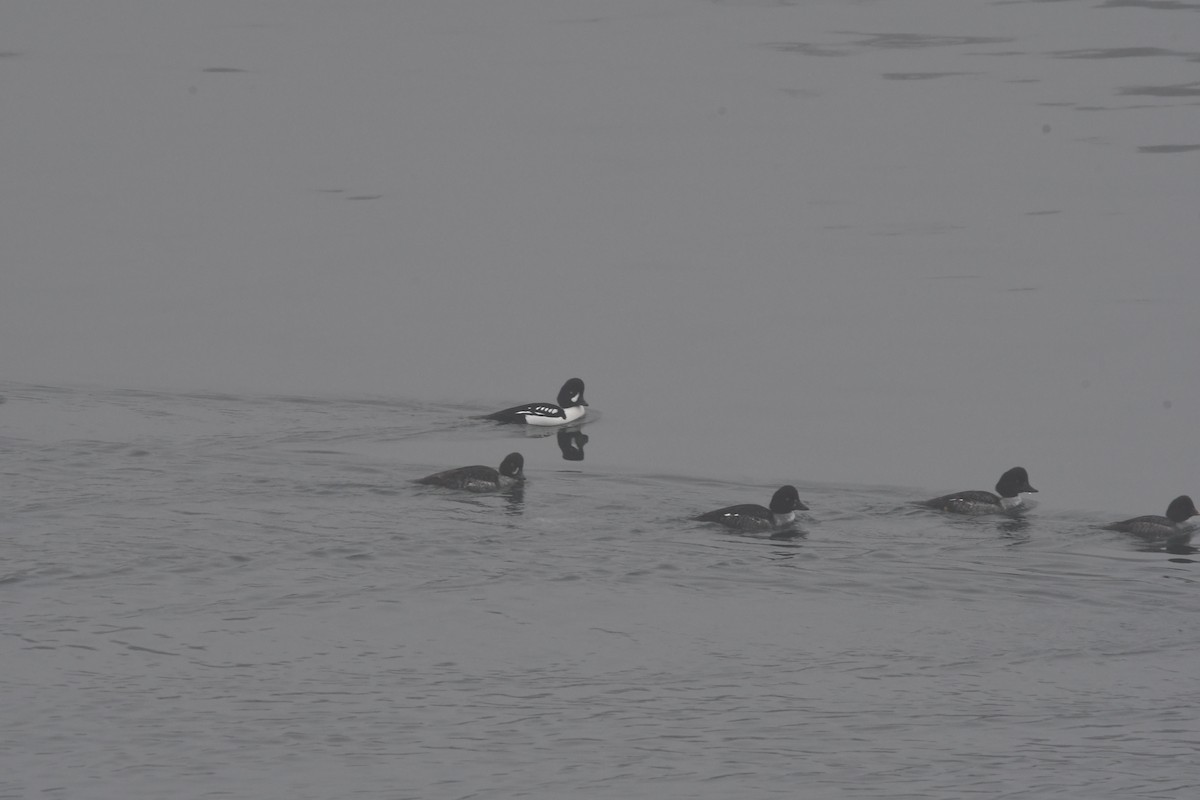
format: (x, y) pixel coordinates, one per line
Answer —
(514, 500)
(571, 442)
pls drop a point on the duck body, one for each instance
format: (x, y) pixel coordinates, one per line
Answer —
(1170, 526)
(752, 517)
(976, 502)
(570, 407)
(479, 478)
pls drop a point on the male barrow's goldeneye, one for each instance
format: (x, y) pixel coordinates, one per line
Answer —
(480, 478)
(976, 501)
(750, 517)
(571, 406)
(1169, 527)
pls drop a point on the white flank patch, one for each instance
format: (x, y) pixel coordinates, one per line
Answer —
(573, 413)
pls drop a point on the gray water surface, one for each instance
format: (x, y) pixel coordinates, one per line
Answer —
(221, 595)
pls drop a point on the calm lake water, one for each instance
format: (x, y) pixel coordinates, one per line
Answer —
(219, 595)
(263, 261)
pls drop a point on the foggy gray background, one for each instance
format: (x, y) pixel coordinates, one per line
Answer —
(904, 243)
